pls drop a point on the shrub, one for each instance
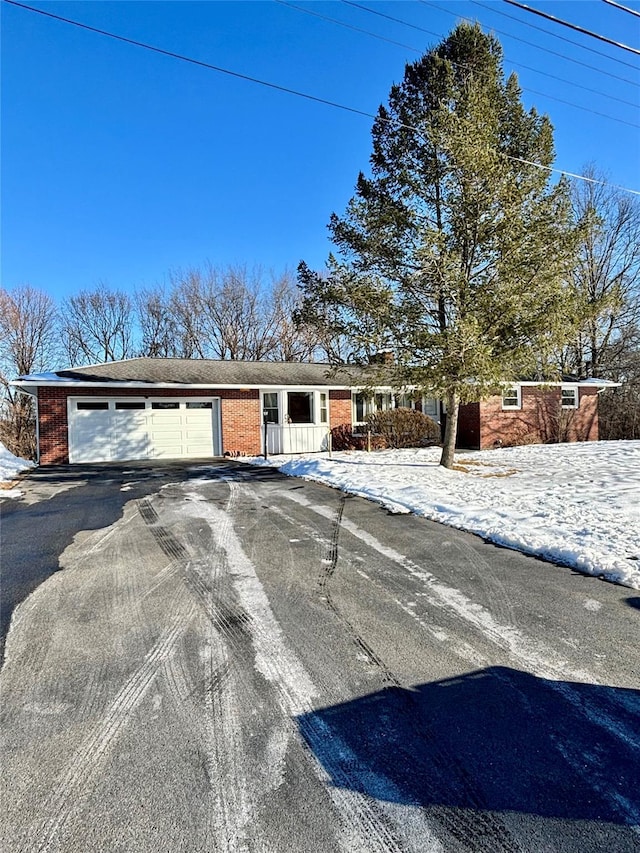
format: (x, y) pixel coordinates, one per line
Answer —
(344, 438)
(404, 428)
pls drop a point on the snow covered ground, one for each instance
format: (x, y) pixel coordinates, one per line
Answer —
(575, 504)
(10, 466)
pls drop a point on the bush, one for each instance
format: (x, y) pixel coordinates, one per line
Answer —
(344, 438)
(404, 428)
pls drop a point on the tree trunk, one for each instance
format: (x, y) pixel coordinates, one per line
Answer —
(451, 430)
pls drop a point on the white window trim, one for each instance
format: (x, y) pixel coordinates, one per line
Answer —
(370, 405)
(283, 405)
(518, 406)
(576, 397)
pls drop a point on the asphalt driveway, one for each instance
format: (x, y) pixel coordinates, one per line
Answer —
(215, 657)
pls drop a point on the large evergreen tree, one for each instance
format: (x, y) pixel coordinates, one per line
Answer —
(454, 251)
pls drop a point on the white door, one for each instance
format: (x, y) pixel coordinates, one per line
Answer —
(105, 430)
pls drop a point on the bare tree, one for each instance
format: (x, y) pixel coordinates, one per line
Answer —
(606, 278)
(293, 341)
(236, 313)
(166, 324)
(29, 342)
(606, 284)
(98, 326)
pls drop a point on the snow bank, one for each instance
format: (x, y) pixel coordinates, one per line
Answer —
(574, 504)
(10, 466)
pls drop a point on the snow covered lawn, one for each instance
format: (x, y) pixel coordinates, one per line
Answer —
(575, 504)
(10, 466)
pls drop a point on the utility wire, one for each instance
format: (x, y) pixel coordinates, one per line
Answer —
(531, 91)
(275, 86)
(537, 46)
(575, 27)
(623, 8)
(189, 59)
(457, 65)
(348, 26)
(531, 68)
(554, 35)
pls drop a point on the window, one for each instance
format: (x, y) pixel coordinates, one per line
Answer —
(169, 404)
(382, 402)
(200, 404)
(300, 407)
(404, 401)
(130, 404)
(270, 407)
(511, 397)
(430, 407)
(92, 406)
(324, 408)
(359, 407)
(569, 397)
(363, 405)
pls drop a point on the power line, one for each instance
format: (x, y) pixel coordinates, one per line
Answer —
(517, 64)
(555, 36)
(285, 89)
(348, 26)
(532, 91)
(575, 27)
(189, 59)
(531, 68)
(623, 8)
(548, 50)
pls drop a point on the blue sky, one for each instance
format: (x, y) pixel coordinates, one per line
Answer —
(119, 164)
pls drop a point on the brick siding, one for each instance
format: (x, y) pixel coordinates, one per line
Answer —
(340, 408)
(240, 414)
(540, 420)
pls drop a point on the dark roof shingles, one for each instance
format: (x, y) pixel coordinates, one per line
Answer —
(209, 372)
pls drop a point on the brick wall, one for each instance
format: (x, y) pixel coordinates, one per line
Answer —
(240, 413)
(52, 425)
(541, 419)
(340, 408)
(241, 421)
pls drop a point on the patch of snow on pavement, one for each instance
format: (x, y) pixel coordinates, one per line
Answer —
(575, 504)
(10, 467)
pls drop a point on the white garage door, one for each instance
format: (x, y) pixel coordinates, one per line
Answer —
(110, 430)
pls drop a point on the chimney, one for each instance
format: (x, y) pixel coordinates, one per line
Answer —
(382, 356)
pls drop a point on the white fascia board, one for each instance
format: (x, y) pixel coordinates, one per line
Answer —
(385, 389)
(581, 383)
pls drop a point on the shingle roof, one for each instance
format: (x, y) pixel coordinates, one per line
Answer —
(185, 371)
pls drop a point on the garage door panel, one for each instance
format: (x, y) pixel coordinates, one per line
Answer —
(125, 431)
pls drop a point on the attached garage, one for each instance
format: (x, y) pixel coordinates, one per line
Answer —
(178, 408)
(109, 429)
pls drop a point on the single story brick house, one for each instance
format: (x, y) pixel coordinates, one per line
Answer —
(533, 413)
(152, 408)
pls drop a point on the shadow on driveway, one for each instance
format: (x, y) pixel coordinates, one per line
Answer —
(496, 740)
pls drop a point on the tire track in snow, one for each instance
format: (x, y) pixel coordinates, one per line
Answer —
(218, 723)
(366, 824)
(69, 790)
(540, 659)
(460, 825)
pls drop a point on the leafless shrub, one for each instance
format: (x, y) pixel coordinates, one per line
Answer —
(404, 428)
